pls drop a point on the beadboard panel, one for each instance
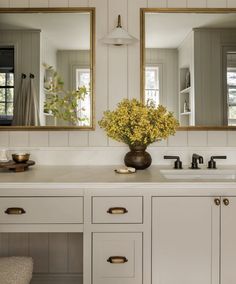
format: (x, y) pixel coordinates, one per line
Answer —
(117, 69)
(57, 253)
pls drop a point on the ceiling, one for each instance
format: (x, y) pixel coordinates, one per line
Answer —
(168, 30)
(63, 30)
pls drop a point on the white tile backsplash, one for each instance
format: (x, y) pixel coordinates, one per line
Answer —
(4, 139)
(217, 138)
(78, 139)
(179, 140)
(19, 139)
(38, 139)
(232, 138)
(58, 139)
(197, 138)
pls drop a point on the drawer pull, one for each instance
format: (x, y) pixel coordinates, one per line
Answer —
(15, 211)
(117, 259)
(117, 210)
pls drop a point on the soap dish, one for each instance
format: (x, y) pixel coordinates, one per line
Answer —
(125, 170)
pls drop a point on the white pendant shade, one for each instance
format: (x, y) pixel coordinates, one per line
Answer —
(119, 36)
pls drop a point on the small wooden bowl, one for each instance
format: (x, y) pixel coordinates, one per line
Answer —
(21, 157)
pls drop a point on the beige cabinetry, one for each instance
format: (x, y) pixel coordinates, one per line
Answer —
(117, 245)
(228, 240)
(117, 258)
(193, 240)
(43, 210)
(112, 210)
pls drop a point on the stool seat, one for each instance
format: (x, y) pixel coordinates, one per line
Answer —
(16, 270)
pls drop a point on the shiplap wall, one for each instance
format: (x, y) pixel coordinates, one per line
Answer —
(117, 77)
(58, 257)
(208, 72)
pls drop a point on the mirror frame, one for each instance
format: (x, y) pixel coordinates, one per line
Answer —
(91, 11)
(143, 11)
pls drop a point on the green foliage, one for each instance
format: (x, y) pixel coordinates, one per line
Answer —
(60, 103)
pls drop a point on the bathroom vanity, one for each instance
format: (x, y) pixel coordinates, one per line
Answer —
(137, 228)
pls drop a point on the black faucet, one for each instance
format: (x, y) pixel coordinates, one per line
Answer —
(195, 159)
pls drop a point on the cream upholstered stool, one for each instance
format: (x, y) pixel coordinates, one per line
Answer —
(16, 270)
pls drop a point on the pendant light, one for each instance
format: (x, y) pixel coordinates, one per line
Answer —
(119, 36)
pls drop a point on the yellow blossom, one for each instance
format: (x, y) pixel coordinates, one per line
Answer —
(137, 124)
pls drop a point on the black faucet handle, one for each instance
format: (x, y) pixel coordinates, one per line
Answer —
(177, 164)
(212, 162)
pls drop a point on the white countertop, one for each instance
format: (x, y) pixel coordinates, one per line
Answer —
(95, 175)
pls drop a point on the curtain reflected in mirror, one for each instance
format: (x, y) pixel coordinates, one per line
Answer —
(46, 69)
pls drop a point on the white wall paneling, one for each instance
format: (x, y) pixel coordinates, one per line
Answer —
(117, 77)
(78, 3)
(18, 3)
(177, 4)
(39, 3)
(231, 3)
(4, 3)
(196, 3)
(54, 254)
(157, 3)
(58, 3)
(97, 137)
(133, 50)
(216, 3)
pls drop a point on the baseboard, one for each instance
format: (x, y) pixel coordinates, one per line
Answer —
(57, 279)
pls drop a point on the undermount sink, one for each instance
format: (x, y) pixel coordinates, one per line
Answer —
(201, 174)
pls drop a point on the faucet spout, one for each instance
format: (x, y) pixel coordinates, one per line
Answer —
(195, 159)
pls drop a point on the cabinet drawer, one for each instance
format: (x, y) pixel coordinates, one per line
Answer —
(117, 258)
(111, 210)
(44, 210)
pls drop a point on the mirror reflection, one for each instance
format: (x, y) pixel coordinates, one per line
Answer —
(46, 69)
(190, 66)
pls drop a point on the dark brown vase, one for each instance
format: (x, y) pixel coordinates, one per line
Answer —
(138, 158)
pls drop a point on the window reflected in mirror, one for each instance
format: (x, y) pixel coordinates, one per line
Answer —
(46, 69)
(6, 85)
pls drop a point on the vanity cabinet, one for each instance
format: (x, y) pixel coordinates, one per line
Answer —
(117, 258)
(228, 240)
(193, 240)
(185, 240)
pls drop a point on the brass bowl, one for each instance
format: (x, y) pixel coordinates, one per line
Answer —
(21, 157)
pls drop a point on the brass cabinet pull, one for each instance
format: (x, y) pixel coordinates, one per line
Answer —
(117, 210)
(15, 211)
(226, 201)
(117, 259)
(217, 201)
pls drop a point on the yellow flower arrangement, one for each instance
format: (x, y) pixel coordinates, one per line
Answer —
(135, 123)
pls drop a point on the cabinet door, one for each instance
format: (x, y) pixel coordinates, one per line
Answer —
(228, 241)
(117, 258)
(185, 240)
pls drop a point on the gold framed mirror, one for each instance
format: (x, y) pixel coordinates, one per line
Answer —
(188, 64)
(47, 69)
